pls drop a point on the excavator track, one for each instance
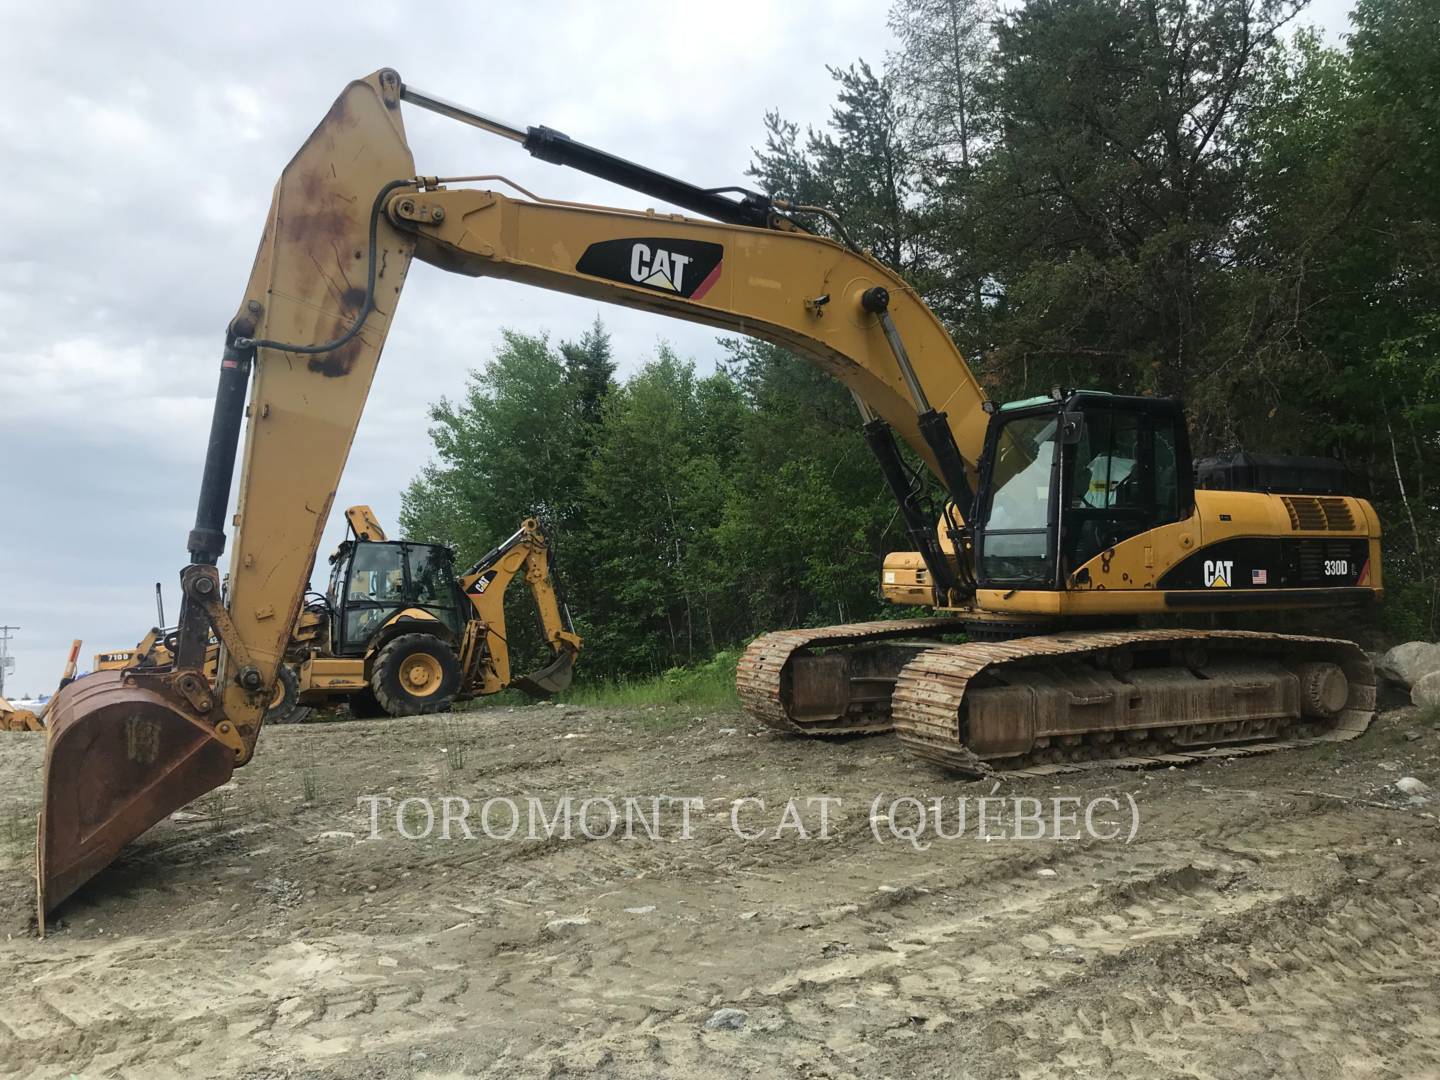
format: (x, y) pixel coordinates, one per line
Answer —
(786, 685)
(1070, 702)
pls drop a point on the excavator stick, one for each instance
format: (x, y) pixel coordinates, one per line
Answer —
(127, 748)
(126, 757)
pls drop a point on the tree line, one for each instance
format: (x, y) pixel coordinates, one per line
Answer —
(1183, 197)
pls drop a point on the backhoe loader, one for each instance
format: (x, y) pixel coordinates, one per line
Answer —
(399, 633)
(1065, 519)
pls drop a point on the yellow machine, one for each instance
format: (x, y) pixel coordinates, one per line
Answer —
(14, 718)
(1059, 512)
(399, 633)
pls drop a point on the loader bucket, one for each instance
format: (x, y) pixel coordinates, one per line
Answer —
(120, 757)
(550, 679)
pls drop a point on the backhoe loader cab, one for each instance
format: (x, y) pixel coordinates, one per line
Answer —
(374, 583)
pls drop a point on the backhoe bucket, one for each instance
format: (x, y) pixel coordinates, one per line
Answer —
(120, 757)
(549, 680)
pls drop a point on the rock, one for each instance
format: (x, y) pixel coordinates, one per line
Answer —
(1047, 872)
(1412, 736)
(1408, 785)
(1426, 690)
(646, 910)
(561, 927)
(1407, 664)
(727, 1020)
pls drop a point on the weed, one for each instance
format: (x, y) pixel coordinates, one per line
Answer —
(452, 744)
(310, 783)
(214, 808)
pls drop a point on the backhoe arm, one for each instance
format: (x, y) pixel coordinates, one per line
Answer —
(485, 583)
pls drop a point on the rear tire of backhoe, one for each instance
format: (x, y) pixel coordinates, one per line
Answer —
(415, 674)
(286, 708)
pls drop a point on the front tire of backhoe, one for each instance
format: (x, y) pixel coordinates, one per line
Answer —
(415, 674)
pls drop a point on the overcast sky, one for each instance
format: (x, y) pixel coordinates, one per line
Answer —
(142, 142)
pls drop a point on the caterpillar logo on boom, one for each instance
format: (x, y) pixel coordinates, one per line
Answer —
(687, 268)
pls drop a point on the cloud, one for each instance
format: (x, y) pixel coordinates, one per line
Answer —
(144, 140)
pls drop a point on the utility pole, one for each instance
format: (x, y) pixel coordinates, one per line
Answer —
(7, 662)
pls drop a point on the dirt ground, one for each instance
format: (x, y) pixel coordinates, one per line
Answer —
(1252, 927)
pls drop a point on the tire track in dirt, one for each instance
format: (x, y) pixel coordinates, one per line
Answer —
(1274, 993)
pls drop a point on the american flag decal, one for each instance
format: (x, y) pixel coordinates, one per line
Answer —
(1259, 577)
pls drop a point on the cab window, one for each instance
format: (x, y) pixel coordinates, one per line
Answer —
(432, 585)
(375, 586)
(1016, 538)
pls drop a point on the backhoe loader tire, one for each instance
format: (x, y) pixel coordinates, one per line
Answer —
(287, 708)
(415, 674)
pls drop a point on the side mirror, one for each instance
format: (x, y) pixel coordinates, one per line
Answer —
(1072, 427)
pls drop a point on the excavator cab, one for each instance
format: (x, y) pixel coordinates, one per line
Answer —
(1068, 476)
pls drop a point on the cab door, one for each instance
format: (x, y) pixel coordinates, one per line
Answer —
(1127, 473)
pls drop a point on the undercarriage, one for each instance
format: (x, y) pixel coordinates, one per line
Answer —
(1060, 702)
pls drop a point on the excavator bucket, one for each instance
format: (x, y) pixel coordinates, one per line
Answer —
(551, 679)
(120, 758)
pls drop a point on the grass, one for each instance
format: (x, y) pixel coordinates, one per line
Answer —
(214, 808)
(709, 685)
(452, 744)
(310, 784)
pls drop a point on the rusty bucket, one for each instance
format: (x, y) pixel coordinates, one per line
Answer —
(120, 757)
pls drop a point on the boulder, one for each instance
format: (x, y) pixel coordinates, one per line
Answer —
(1409, 663)
(727, 1020)
(1426, 690)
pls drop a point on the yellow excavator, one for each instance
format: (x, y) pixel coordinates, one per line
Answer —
(399, 633)
(1065, 519)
